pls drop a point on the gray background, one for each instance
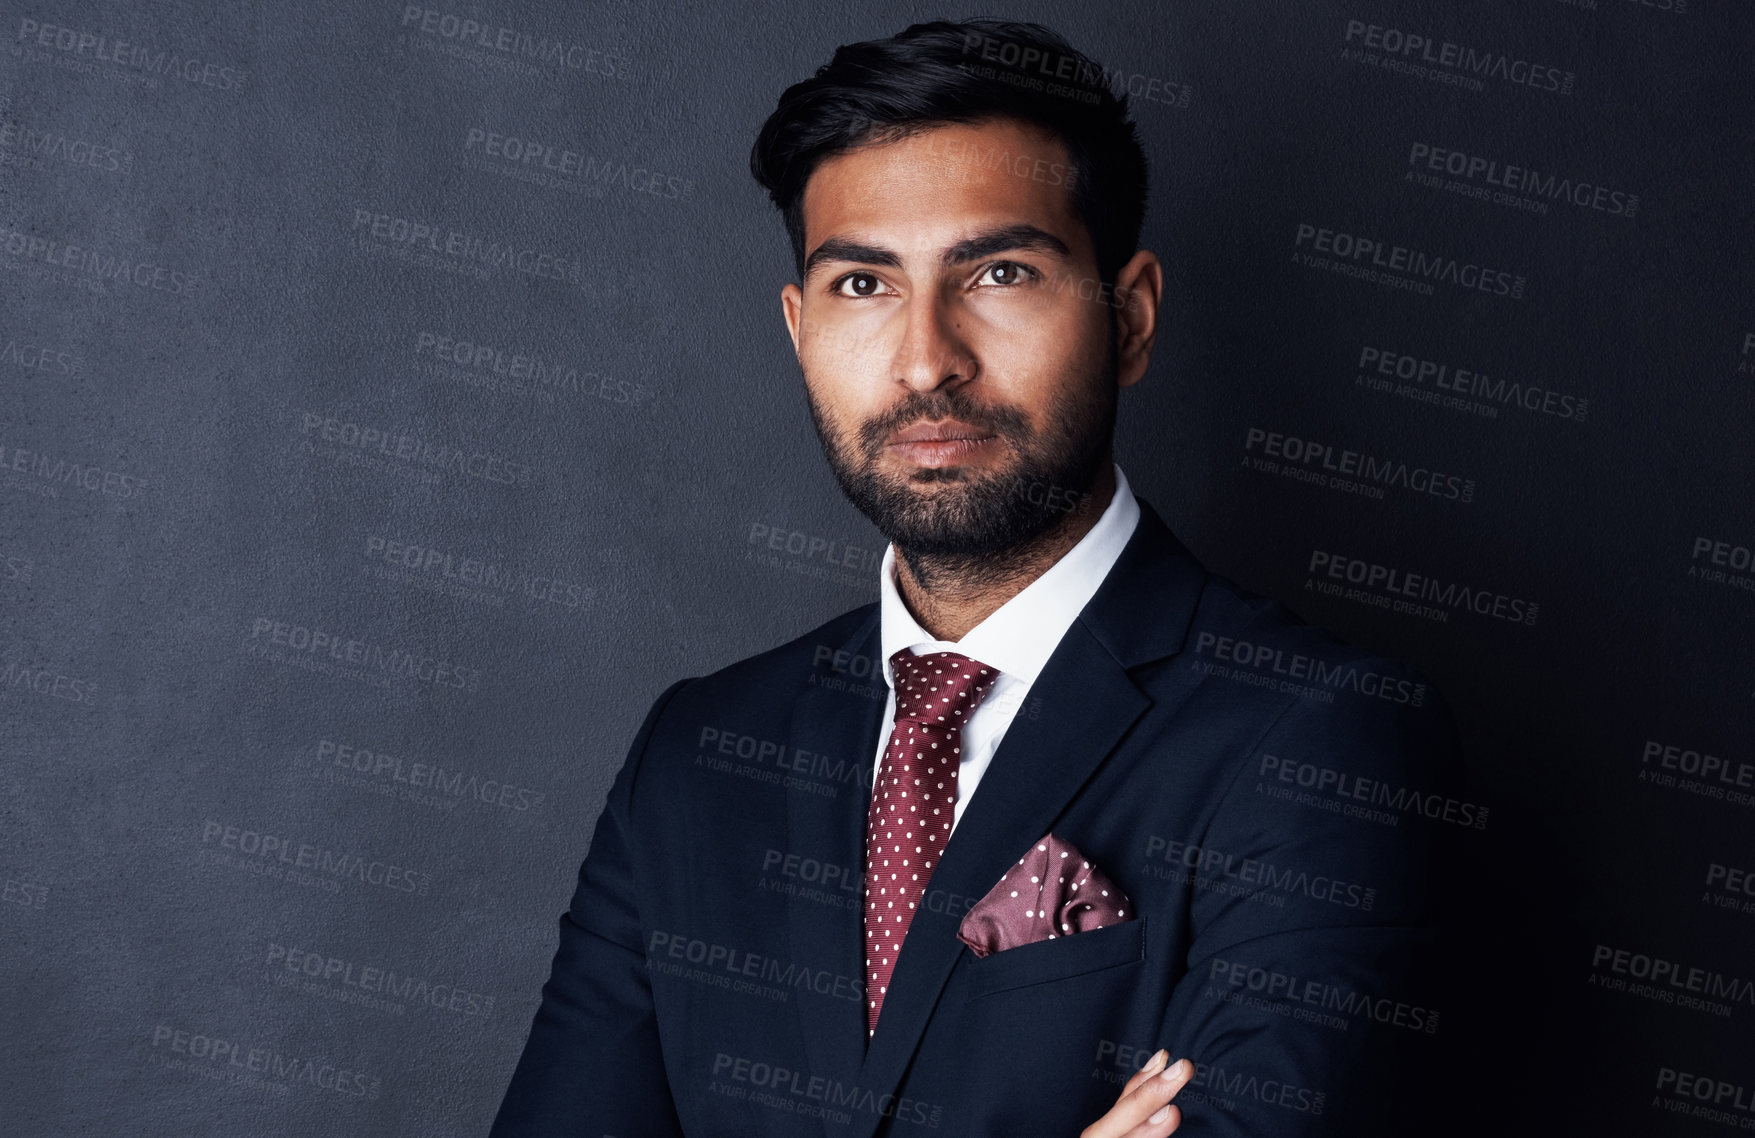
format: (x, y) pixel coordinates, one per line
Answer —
(179, 491)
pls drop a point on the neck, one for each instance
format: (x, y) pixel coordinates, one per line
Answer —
(948, 596)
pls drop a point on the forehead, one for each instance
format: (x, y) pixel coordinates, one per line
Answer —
(931, 189)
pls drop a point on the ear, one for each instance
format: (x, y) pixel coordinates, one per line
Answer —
(792, 307)
(1139, 287)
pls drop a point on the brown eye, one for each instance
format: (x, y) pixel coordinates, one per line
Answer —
(859, 284)
(1004, 273)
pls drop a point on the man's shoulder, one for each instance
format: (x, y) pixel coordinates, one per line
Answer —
(1323, 708)
(1253, 637)
(1166, 602)
(1338, 755)
(776, 676)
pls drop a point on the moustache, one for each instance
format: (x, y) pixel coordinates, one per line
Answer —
(1003, 422)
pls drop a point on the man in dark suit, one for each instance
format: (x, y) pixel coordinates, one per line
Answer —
(755, 948)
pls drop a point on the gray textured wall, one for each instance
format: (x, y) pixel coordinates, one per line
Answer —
(244, 247)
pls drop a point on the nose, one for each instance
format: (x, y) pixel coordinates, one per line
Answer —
(932, 352)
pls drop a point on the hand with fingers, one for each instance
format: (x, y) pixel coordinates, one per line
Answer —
(1144, 1109)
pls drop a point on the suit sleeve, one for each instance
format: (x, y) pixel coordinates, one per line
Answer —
(1307, 1005)
(592, 1065)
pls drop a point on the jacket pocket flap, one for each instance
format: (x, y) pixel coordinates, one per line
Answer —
(1043, 961)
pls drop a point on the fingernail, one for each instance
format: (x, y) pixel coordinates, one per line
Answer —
(1156, 1061)
(1173, 1071)
(1163, 1112)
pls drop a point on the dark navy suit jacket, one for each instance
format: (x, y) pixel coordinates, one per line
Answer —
(1268, 796)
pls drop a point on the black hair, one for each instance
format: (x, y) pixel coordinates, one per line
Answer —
(938, 73)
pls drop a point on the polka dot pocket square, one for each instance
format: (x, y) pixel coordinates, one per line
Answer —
(1053, 891)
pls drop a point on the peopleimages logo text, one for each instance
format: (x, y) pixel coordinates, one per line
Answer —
(1402, 259)
(1414, 47)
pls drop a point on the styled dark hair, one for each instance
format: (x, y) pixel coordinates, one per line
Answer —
(939, 73)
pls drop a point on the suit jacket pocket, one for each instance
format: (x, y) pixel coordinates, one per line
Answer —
(1044, 961)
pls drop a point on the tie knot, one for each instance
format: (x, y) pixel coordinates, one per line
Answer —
(940, 687)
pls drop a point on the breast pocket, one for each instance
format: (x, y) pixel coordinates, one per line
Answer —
(1045, 961)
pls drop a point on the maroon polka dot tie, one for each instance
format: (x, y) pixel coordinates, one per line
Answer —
(911, 811)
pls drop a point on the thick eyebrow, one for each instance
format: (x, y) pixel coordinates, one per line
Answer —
(845, 249)
(1010, 238)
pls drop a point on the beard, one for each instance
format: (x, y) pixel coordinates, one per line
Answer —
(974, 514)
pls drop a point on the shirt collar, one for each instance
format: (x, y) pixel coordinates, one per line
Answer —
(1018, 637)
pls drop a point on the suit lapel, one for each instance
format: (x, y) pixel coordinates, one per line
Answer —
(1034, 773)
(1089, 703)
(843, 726)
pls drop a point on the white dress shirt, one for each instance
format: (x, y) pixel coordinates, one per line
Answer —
(1017, 638)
